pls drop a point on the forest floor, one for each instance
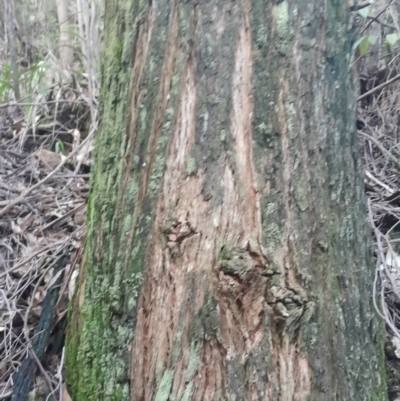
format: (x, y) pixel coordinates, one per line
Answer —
(378, 129)
(44, 173)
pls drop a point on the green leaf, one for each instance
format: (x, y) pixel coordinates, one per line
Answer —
(6, 71)
(364, 46)
(391, 39)
(372, 39)
(59, 146)
(358, 41)
(364, 12)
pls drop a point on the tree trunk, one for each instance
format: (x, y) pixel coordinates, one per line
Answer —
(10, 12)
(66, 50)
(227, 255)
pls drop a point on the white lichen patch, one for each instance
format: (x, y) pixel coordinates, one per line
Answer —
(282, 17)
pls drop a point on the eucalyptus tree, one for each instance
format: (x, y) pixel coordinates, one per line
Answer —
(227, 254)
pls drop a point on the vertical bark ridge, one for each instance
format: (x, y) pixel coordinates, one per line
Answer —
(167, 71)
(242, 113)
(159, 296)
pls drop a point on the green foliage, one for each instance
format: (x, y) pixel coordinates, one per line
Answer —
(5, 79)
(34, 80)
(391, 39)
(363, 46)
(59, 146)
(363, 43)
(364, 12)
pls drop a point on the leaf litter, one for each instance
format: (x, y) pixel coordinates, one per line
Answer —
(44, 171)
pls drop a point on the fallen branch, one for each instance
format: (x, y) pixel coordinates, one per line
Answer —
(380, 147)
(379, 87)
(360, 6)
(380, 183)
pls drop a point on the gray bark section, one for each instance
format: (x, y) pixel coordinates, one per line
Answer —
(308, 77)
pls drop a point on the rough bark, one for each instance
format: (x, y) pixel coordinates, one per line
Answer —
(10, 11)
(227, 256)
(66, 50)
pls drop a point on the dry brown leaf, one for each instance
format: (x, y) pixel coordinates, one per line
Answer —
(26, 221)
(72, 282)
(48, 158)
(32, 239)
(16, 228)
(65, 395)
(80, 217)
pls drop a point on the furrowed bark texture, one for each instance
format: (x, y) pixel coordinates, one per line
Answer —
(226, 256)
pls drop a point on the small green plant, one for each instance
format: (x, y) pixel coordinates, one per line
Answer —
(59, 146)
(363, 43)
(364, 12)
(5, 80)
(391, 40)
